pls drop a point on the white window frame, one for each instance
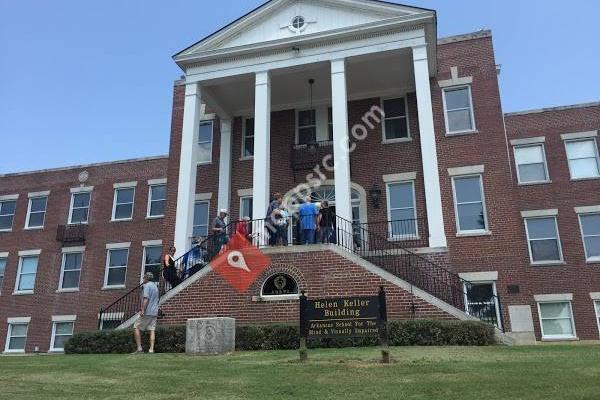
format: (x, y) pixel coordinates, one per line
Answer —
(486, 229)
(472, 109)
(316, 125)
(114, 208)
(384, 138)
(494, 291)
(16, 321)
(582, 139)
(67, 319)
(556, 337)
(22, 255)
(211, 141)
(389, 211)
(89, 208)
(65, 252)
(587, 258)
(547, 180)
(110, 247)
(244, 137)
(151, 187)
(145, 245)
(559, 243)
(207, 216)
(36, 196)
(242, 198)
(6, 199)
(3, 256)
(597, 310)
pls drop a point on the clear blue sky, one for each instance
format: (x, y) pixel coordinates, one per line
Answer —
(89, 81)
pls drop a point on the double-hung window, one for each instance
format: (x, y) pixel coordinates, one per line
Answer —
(469, 204)
(458, 110)
(246, 207)
(590, 232)
(80, 208)
(556, 320)
(205, 142)
(307, 126)
(396, 119)
(62, 330)
(583, 158)
(3, 257)
(36, 211)
(7, 214)
(543, 239)
(248, 138)
(201, 219)
(401, 210)
(27, 271)
(123, 202)
(531, 164)
(157, 198)
(116, 266)
(152, 262)
(70, 271)
(16, 337)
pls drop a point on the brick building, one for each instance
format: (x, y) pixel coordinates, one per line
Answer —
(459, 210)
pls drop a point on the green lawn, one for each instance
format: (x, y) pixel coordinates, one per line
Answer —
(541, 372)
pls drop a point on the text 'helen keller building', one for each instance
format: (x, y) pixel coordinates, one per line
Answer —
(459, 210)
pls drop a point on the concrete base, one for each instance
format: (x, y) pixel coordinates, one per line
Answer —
(210, 336)
(522, 338)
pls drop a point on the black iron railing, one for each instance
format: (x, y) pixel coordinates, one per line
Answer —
(409, 233)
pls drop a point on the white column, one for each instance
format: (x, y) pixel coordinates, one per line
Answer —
(261, 184)
(186, 191)
(341, 154)
(225, 165)
(431, 176)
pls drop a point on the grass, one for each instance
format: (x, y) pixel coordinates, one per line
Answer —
(465, 373)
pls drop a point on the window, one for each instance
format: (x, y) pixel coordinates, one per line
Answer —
(597, 308)
(152, 261)
(26, 274)
(36, 212)
(80, 207)
(200, 219)
(61, 332)
(401, 210)
(583, 158)
(544, 242)
(2, 270)
(111, 320)
(458, 110)
(205, 142)
(531, 164)
(279, 285)
(156, 201)
(7, 214)
(469, 204)
(248, 138)
(330, 124)
(590, 232)
(307, 126)
(481, 301)
(246, 207)
(123, 204)
(116, 268)
(16, 337)
(70, 271)
(556, 320)
(396, 119)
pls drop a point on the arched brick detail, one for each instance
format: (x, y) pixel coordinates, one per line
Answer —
(278, 268)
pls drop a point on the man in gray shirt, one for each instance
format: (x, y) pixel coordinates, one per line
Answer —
(148, 313)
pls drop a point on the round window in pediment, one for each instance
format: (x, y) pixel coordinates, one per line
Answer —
(298, 23)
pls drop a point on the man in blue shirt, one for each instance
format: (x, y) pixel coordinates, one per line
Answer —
(308, 213)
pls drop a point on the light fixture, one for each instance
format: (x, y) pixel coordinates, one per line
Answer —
(375, 195)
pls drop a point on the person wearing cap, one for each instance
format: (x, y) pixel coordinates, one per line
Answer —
(148, 313)
(220, 230)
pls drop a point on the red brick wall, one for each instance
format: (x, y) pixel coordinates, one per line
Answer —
(46, 302)
(321, 274)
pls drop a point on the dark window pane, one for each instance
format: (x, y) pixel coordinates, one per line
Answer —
(6, 222)
(79, 215)
(81, 200)
(70, 279)
(205, 134)
(467, 189)
(307, 135)
(249, 147)
(159, 192)
(157, 208)
(72, 261)
(532, 172)
(38, 204)
(457, 98)
(545, 250)
(394, 108)
(307, 117)
(123, 211)
(201, 214)
(592, 246)
(8, 207)
(125, 196)
(470, 217)
(591, 224)
(17, 343)
(459, 121)
(118, 257)
(36, 219)
(116, 276)
(541, 228)
(401, 195)
(396, 128)
(480, 292)
(153, 254)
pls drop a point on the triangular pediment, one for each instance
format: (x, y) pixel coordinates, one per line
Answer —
(278, 20)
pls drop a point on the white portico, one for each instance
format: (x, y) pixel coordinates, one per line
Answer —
(356, 49)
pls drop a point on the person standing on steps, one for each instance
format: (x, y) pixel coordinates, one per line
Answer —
(148, 313)
(308, 213)
(220, 230)
(170, 272)
(272, 219)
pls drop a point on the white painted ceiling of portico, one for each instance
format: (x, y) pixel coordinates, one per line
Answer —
(271, 22)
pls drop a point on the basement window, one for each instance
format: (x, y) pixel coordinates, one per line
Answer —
(556, 320)
(279, 286)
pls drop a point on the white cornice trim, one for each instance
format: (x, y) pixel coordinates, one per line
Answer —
(147, 243)
(77, 249)
(112, 246)
(539, 213)
(25, 253)
(18, 320)
(161, 181)
(82, 189)
(245, 192)
(579, 135)
(595, 295)
(4, 254)
(124, 185)
(587, 209)
(8, 197)
(400, 177)
(553, 297)
(524, 141)
(64, 318)
(479, 276)
(203, 196)
(45, 193)
(469, 170)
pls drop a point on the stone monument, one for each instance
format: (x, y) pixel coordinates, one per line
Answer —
(210, 336)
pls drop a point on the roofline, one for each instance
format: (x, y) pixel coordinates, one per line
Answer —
(100, 164)
(269, 1)
(553, 109)
(483, 33)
